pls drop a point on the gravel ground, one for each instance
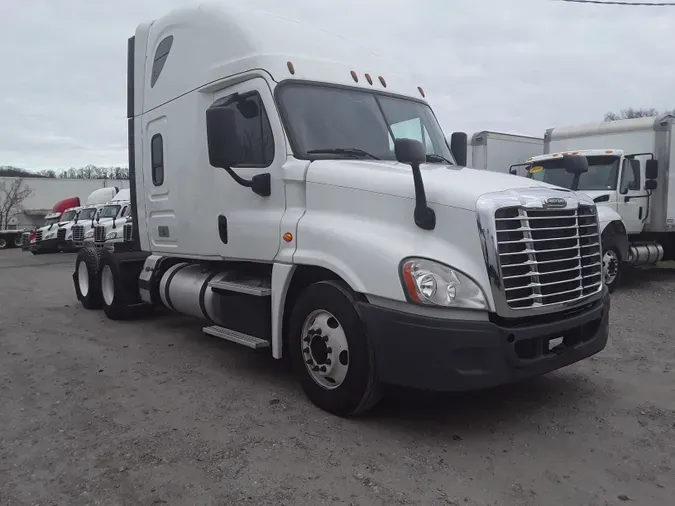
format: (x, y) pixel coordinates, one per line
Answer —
(154, 412)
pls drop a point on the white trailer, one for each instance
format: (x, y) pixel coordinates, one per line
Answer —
(502, 152)
(628, 177)
(275, 196)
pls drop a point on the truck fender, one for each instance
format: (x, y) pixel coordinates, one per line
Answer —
(614, 234)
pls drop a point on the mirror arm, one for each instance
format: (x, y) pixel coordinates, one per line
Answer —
(425, 217)
(260, 184)
(575, 182)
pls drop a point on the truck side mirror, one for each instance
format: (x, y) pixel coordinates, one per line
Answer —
(409, 151)
(224, 148)
(458, 146)
(412, 152)
(652, 169)
(575, 164)
(651, 184)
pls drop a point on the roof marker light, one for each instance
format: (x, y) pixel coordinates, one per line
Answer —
(291, 68)
(369, 79)
(383, 82)
(421, 91)
(355, 77)
(609, 151)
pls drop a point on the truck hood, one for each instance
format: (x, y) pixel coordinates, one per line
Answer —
(445, 185)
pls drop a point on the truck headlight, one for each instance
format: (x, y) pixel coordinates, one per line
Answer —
(433, 284)
(111, 235)
(89, 234)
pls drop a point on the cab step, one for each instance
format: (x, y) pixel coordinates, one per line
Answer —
(255, 287)
(236, 337)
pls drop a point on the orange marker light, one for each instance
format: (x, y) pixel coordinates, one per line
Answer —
(369, 79)
(291, 68)
(384, 83)
(288, 237)
(355, 77)
(421, 91)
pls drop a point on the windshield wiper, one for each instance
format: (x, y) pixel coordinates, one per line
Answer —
(343, 151)
(433, 157)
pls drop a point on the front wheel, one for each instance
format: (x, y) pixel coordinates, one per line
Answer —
(330, 351)
(611, 267)
(3, 243)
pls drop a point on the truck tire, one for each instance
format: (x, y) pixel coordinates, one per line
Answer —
(86, 278)
(119, 293)
(611, 267)
(17, 241)
(3, 243)
(330, 351)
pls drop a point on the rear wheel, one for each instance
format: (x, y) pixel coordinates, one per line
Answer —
(17, 242)
(330, 351)
(3, 243)
(119, 291)
(86, 278)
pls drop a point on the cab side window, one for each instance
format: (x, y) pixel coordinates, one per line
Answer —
(252, 127)
(157, 159)
(630, 176)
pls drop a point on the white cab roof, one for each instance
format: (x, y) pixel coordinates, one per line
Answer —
(583, 152)
(213, 41)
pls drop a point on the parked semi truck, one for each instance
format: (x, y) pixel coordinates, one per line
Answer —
(272, 197)
(11, 238)
(628, 177)
(502, 152)
(49, 238)
(83, 229)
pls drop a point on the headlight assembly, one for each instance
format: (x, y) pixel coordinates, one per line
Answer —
(433, 284)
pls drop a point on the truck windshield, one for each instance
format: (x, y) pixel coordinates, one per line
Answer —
(343, 122)
(110, 211)
(68, 216)
(87, 214)
(51, 221)
(603, 172)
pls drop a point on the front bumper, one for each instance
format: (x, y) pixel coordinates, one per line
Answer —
(46, 245)
(461, 355)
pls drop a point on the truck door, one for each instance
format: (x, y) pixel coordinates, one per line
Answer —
(632, 201)
(247, 224)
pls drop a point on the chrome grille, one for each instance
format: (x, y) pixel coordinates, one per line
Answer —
(99, 233)
(61, 234)
(548, 257)
(38, 236)
(127, 232)
(25, 239)
(78, 232)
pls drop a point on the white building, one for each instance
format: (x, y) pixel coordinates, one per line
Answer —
(47, 191)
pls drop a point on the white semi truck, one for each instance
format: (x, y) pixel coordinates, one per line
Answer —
(502, 152)
(628, 178)
(112, 218)
(272, 198)
(83, 229)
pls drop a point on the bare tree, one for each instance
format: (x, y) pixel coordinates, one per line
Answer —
(12, 196)
(631, 113)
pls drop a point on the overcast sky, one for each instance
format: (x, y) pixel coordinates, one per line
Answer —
(516, 66)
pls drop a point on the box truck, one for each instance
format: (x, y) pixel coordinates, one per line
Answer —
(502, 152)
(628, 178)
(300, 198)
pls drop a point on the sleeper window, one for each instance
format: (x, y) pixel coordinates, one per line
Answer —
(157, 159)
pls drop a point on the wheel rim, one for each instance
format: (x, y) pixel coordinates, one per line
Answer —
(83, 278)
(17, 242)
(107, 285)
(3, 243)
(324, 349)
(610, 266)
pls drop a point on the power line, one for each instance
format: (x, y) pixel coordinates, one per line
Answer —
(612, 2)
